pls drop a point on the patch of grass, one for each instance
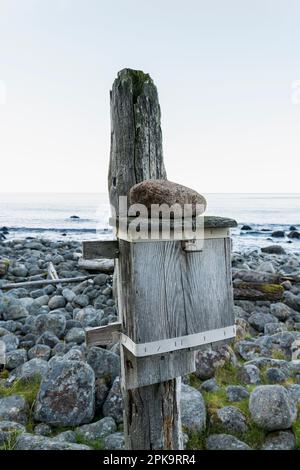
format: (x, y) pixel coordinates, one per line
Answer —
(227, 375)
(94, 444)
(278, 354)
(11, 442)
(296, 430)
(194, 381)
(27, 389)
(4, 374)
(255, 437)
(196, 440)
(215, 400)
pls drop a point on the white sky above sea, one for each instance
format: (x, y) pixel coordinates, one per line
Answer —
(226, 73)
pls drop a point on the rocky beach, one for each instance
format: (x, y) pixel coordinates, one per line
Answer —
(55, 393)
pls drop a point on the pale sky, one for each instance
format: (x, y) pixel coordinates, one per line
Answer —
(224, 72)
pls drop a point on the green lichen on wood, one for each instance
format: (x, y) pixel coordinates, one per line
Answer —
(138, 79)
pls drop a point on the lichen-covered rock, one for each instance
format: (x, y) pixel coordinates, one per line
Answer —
(97, 430)
(35, 368)
(236, 393)
(159, 192)
(28, 441)
(67, 394)
(231, 419)
(282, 440)
(12, 308)
(53, 322)
(14, 408)
(57, 301)
(115, 441)
(258, 320)
(15, 358)
(225, 442)
(113, 405)
(193, 411)
(272, 407)
(104, 363)
(207, 361)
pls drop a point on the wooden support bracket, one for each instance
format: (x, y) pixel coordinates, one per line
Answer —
(98, 249)
(103, 335)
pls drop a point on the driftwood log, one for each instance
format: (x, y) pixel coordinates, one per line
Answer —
(151, 416)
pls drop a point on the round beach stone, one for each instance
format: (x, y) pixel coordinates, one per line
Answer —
(159, 192)
(272, 407)
(75, 335)
(57, 301)
(67, 394)
(274, 249)
(193, 411)
(11, 308)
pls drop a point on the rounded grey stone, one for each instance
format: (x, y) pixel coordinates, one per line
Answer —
(67, 394)
(225, 442)
(272, 407)
(115, 441)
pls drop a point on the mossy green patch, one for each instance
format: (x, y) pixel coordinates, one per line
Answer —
(227, 375)
(27, 389)
(93, 444)
(139, 78)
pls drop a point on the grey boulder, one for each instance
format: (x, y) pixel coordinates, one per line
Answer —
(193, 411)
(67, 394)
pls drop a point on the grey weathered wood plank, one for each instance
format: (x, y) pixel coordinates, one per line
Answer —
(101, 265)
(151, 416)
(103, 335)
(97, 249)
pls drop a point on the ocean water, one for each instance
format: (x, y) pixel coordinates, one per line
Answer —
(48, 215)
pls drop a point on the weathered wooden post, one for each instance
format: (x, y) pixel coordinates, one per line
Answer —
(173, 295)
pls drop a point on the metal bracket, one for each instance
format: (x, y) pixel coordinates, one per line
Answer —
(174, 344)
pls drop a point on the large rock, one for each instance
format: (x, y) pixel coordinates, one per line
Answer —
(272, 407)
(14, 408)
(225, 442)
(67, 394)
(104, 363)
(28, 441)
(193, 411)
(159, 192)
(53, 322)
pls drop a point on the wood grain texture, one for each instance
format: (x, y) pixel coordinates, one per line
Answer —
(100, 265)
(136, 137)
(103, 335)
(151, 416)
(98, 249)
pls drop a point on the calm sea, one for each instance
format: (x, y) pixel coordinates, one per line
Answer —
(48, 215)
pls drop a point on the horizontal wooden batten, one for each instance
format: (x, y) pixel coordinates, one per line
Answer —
(98, 249)
(103, 335)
